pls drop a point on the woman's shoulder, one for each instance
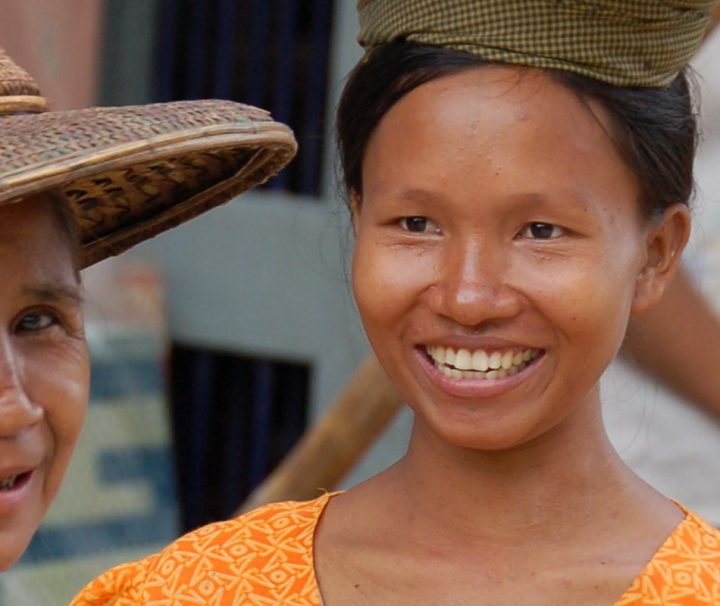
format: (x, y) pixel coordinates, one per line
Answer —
(252, 554)
(693, 539)
(274, 523)
(685, 570)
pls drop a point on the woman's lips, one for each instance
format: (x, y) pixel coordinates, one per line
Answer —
(488, 372)
(11, 482)
(481, 364)
(14, 487)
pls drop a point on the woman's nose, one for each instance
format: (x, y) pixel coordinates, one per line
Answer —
(472, 286)
(17, 411)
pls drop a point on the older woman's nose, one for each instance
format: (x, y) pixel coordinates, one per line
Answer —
(17, 411)
(471, 287)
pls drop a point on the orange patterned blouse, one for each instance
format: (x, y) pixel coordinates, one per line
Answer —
(265, 558)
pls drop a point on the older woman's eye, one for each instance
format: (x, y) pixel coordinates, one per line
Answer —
(36, 321)
(542, 231)
(419, 225)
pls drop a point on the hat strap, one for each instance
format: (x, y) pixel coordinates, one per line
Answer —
(16, 104)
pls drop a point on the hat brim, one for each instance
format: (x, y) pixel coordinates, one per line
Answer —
(133, 172)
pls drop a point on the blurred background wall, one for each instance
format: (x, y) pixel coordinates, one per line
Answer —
(59, 43)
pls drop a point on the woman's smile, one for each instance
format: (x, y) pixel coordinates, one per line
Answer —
(15, 490)
(479, 373)
(13, 481)
(480, 364)
(499, 242)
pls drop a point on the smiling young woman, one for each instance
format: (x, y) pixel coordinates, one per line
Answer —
(498, 220)
(509, 221)
(503, 240)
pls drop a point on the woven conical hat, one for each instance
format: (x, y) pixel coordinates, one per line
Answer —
(132, 172)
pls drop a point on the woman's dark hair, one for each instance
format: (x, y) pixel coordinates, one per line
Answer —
(654, 129)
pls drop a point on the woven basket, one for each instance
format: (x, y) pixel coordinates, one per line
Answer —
(133, 172)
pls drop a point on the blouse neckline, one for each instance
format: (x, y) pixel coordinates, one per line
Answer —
(688, 519)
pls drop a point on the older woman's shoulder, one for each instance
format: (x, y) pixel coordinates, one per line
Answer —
(262, 553)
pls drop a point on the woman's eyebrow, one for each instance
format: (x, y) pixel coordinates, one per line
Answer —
(537, 198)
(418, 194)
(53, 293)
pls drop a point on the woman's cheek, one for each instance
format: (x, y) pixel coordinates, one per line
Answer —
(60, 383)
(583, 301)
(388, 279)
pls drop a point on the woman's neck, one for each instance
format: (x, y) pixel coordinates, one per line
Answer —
(550, 487)
(447, 521)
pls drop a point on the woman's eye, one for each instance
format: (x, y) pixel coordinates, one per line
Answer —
(35, 321)
(542, 231)
(419, 225)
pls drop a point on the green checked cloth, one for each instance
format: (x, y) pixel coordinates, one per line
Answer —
(622, 42)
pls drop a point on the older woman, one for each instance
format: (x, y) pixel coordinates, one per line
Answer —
(76, 187)
(518, 176)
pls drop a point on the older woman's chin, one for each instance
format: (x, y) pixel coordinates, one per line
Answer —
(22, 512)
(13, 543)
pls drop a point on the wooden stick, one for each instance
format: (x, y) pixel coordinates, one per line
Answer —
(330, 448)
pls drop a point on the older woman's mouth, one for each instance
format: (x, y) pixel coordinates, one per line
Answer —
(11, 482)
(480, 363)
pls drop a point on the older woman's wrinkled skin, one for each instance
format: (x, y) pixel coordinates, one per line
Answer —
(44, 367)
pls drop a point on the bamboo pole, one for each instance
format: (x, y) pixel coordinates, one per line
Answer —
(330, 448)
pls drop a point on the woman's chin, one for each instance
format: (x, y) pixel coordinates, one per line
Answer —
(16, 533)
(11, 550)
(495, 437)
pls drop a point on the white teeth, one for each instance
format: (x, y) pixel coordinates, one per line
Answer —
(454, 373)
(463, 360)
(480, 360)
(8, 483)
(464, 364)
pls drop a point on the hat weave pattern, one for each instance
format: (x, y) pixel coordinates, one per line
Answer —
(132, 172)
(641, 43)
(14, 80)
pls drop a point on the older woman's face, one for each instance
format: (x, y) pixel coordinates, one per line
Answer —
(500, 250)
(44, 373)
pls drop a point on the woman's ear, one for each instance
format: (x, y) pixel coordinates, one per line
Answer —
(666, 239)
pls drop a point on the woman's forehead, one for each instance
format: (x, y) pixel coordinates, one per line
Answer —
(489, 120)
(497, 95)
(32, 234)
